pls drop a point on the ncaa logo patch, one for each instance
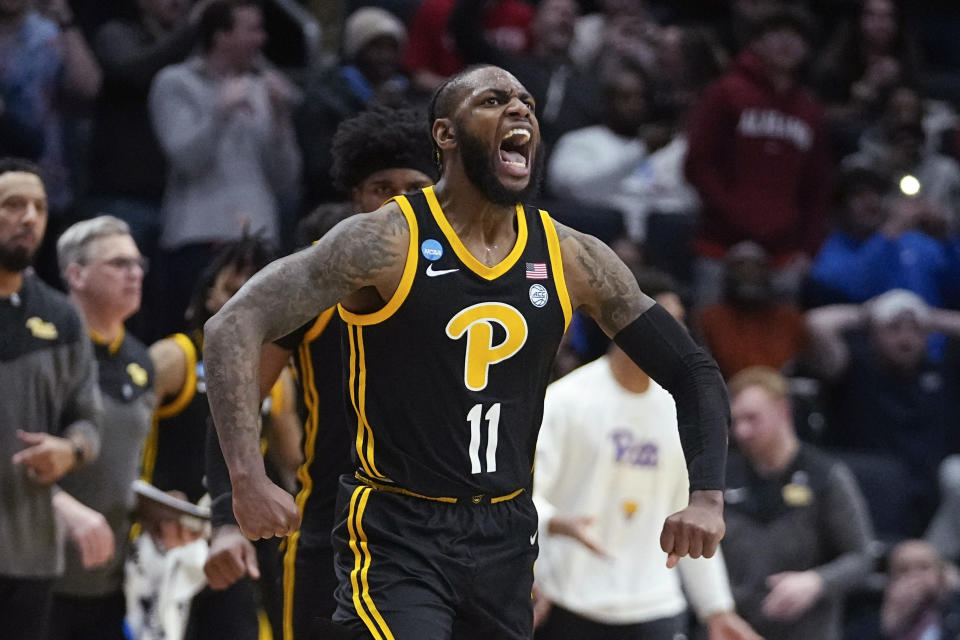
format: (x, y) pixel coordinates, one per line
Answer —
(431, 249)
(538, 295)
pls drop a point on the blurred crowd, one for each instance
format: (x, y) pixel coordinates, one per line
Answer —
(790, 168)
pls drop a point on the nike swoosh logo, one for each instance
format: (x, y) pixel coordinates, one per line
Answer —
(533, 538)
(431, 272)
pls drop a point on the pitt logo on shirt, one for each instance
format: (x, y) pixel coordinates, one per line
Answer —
(476, 322)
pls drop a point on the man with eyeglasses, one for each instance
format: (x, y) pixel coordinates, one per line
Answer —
(49, 406)
(104, 271)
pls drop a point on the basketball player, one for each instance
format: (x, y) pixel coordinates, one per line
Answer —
(372, 169)
(455, 300)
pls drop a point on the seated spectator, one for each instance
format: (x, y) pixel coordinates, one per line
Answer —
(564, 95)
(432, 55)
(223, 120)
(610, 164)
(759, 159)
(891, 410)
(864, 60)
(922, 596)
(368, 74)
(798, 531)
(904, 159)
(880, 243)
(750, 326)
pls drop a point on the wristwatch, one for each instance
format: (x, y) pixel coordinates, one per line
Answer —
(79, 453)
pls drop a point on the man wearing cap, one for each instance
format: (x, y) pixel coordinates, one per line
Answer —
(373, 40)
(891, 410)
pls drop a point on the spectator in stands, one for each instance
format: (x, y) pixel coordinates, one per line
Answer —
(759, 158)
(223, 120)
(622, 28)
(564, 95)
(369, 74)
(49, 408)
(891, 409)
(922, 596)
(104, 272)
(901, 154)
(432, 55)
(611, 164)
(865, 59)
(798, 531)
(610, 469)
(881, 242)
(750, 326)
(44, 63)
(46, 71)
(127, 169)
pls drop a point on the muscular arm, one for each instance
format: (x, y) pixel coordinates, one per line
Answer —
(600, 284)
(367, 250)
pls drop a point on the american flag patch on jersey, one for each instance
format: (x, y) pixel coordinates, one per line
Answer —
(536, 271)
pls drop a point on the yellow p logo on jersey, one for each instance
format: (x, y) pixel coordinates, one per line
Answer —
(477, 322)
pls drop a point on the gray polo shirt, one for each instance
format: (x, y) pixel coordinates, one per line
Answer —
(47, 384)
(126, 380)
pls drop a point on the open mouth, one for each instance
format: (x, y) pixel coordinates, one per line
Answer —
(515, 150)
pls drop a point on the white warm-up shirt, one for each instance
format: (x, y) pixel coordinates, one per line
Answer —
(615, 455)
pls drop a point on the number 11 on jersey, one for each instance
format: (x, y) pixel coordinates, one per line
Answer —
(475, 417)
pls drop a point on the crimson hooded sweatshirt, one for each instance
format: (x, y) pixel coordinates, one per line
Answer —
(760, 162)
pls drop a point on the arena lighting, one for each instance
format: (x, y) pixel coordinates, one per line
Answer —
(909, 185)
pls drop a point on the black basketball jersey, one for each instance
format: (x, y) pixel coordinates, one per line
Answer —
(318, 361)
(445, 383)
(173, 457)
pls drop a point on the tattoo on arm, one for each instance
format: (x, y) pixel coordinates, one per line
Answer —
(361, 251)
(599, 282)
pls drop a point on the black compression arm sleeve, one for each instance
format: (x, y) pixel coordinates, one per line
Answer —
(660, 346)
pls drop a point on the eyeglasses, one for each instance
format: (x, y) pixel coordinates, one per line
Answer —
(121, 263)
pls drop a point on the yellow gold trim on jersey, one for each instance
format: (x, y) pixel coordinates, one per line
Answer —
(406, 280)
(556, 262)
(189, 388)
(482, 270)
(476, 499)
(112, 345)
(322, 321)
(358, 392)
(311, 426)
(359, 577)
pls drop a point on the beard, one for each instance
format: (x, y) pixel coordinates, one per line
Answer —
(481, 172)
(15, 259)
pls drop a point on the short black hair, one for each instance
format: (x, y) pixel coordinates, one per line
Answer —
(219, 16)
(443, 101)
(249, 253)
(853, 179)
(318, 222)
(381, 138)
(655, 282)
(9, 164)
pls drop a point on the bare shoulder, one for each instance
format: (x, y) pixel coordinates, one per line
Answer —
(170, 364)
(365, 250)
(598, 281)
(365, 245)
